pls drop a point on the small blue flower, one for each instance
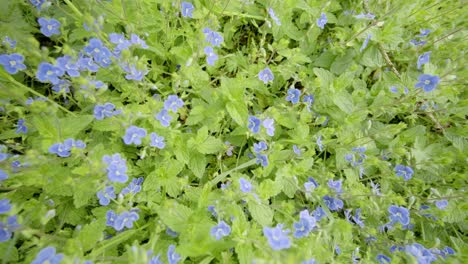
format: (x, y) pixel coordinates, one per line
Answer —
(110, 218)
(47, 72)
(322, 21)
(293, 95)
(121, 42)
(269, 125)
(213, 37)
(229, 148)
(221, 230)
(133, 187)
(335, 185)
(266, 75)
(21, 127)
(319, 213)
(49, 26)
(427, 82)
(37, 3)
(277, 237)
(105, 110)
(136, 40)
(337, 250)
(357, 218)
(133, 73)
(262, 159)
(310, 184)
(61, 86)
(422, 254)
(334, 204)
(254, 124)
(101, 54)
(211, 57)
(423, 59)
(297, 150)
(305, 225)
(116, 168)
(418, 43)
(319, 142)
(260, 146)
(60, 149)
(65, 64)
(399, 214)
(212, 210)
(3, 175)
(375, 188)
(365, 16)
(47, 255)
(393, 89)
(86, 63)
(173, 103)
(187, 8)
(441, 204)
(404, 171)
(5, 206)
(308, 100)
(164, 117)
(157, 141)
(245, 185)
(106, 195)
(172, 256)
(171, 233)
(7, 41)
(7, 229)
(125, 219)
(424, 33)
(365, 43)
(12, 63)
(271, 12)
(133, 135)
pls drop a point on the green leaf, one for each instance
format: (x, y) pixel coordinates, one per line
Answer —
(72, 126)
(210, 145)
(91, 233)
(238, 111)
(261, 213)
(197, 164)
(175, 215)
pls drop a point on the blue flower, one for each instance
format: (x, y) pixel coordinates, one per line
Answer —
(65, 63)
(21, 127)
(86, 63)
(133, 73)
(47, 255)
(322, 21)
(7, 41)
(171, 233)
(319, 142)
(157, 141)
(422, 254)
(133, 187)
(266, 75)
(5, 206)
(212, 210)
(133, 135)
(156, 260)
(172, 256)
(404, 171)
(121, 41)
(418, 43)
(262, 159)
(105, 110)
(221, 230)
(269, 125)
(357, 157)
(335, 185)
(110, 218)
(334, 204)
(49, 26)
(106, 195)
(271, 12)
(297, 150)
(399, 214)
(213, 37)
(277, 237)
(293, 95)
(427, 82)
(308, 100)
(47, 72)
(211, 57)
(125, 219)
(61, 86)
(187, 8)
(424, 33)
(365, 43)
(357, 218)
(254, 124)
(260, 146)
(37, 3)
(60, 149)
(305, 225)
(245, 185)
(173, 103)
(6, 229)
(12, 63)
(101, 54)
(3, 175)
(136, 40)
(441, 204)
(310, 184)
(365, 16)
(423, 59)
(116, 168)
(164, 117)
(319, 213)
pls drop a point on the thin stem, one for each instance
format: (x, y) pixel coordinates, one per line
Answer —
(221, 177)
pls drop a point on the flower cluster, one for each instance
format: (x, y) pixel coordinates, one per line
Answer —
(116, 168)
(267, 123)
(220, 230)
(64, 149)
(245, 185)
(424, 33)
(120, 221)
(106, 110)
(133, 135)
(48, 255)
(258, 149)
(334, 204)
(172, 103)
(404, 171)
(106, 195)
(305, 225)
(133, 187)
(215, 39)
(277, 237)
(322, 21)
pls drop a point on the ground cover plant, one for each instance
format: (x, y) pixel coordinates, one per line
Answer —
(233, 131)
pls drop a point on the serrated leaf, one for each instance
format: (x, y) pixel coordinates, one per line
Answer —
(197, 164)
(210, 145)
(175, 215)
(261, 213)
(71, 126)
(238, 111)
(90, 234)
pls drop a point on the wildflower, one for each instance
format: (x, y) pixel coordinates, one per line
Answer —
(424, 33)
(268, 124)
(311, 184)
(121, 42)
(6, 229)
(133, 187)
(133, 135)
(49, 26)
(260, 146)
(318, 213)
(60, 149)
(110, 218)
(61, 86)
(308, 100)
(105, 110)
(106, 195)
(157, 141)
(116, 168)
(172, 256)
(337, 250)
(229, 149)
(357, 218)
(296, 150)
(335, 185)
(173, 103)
(37, 3)
(171, 233)
(47, 72)
(322, 21)
(101, 54)
(10, 42)
(271, 12)
(399, 214)
(277, 237)
(3, 175)
(136, 40)
(254, 124)
(375, 188)
(366, 42)
(423, 59)
(266, 75)
(393, 89)
(211, 57)
(245, 185)
(21, 127)
(334, 204)
(66, 65)
(164, 117)
(404, 171)
(293, 95)
(213, 37)
(418, 43)
(221, 230)
(422, 254)
(305, 225)
(365, 16)
(125, 219)
(187, 9)
(319, 142)
(427, 82)
(86, 63)
(5, 206)
(262, 159)
(47, 255)
(133, 73)
(441, 204)
(224, 186)
(12, 63)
